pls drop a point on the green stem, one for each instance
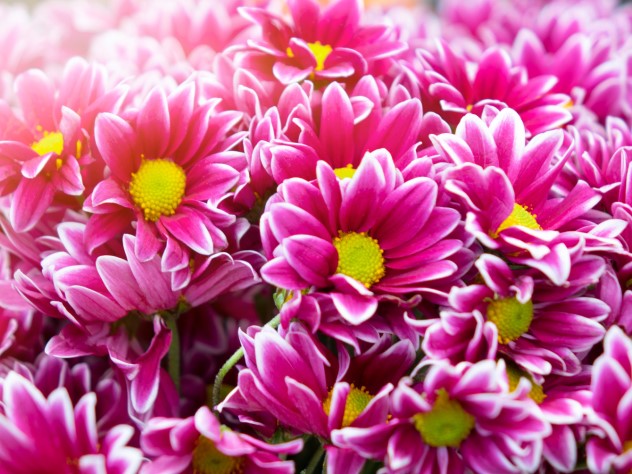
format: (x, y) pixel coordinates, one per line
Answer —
(173, 358)
(230, 363)
(315, 461)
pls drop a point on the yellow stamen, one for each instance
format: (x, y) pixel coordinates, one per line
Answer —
(207, 459)
(319, 50)
(514, 374)
(345, 172)
(519, 216)
(360, 257)
(357, 401)
(511, 317)
(158, 188)
(51, 142)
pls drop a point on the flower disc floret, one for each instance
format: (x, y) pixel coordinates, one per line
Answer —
(345, 172)
(360, 257)
(446, 424)
(519, 216)
(320, 52)
(511, 317)
(158, 188)
(357, 400)
(514, 374)
(51, 142)
(207, 459)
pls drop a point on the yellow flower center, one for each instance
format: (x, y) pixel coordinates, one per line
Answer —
(514, 374)
(360, 257)
(519, 216)
(51, 142)
(446, 424)
(320, 52)
(157, 188)
(345, 172)
(511, 317)
(357, 401)
(207, 459)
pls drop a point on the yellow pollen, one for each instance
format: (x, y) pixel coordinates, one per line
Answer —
(345, 172)
(360, 257)
(469, 107)
(514, 374)
(511, 317)
(446, 424)
(320, 52)
(357, 401)
(519, 216)
(158, 188)
(569, 104)
(207, 459)
(51, 142)
(627, 446)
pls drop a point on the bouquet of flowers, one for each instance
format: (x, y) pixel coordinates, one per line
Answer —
(261, 236)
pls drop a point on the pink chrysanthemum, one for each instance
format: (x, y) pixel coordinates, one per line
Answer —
(46, 151)
(453, 86)
(200, 444)
(505, 188)
(361, 238)
(171, 165)
(323, 45)
(459, 418)
(611, 449)
(543, 327)
(39, 434)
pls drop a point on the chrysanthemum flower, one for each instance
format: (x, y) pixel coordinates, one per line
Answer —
(293, 365)
(459, 418)
(323, 45)
(45, 151)
(452, 86)
(543, 327)
(171, 165)
(362, 238)
(505, 187)
(201, 445)
(40, 434)
(611, 449)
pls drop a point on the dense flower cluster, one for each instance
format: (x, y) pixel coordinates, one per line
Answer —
(341, 236)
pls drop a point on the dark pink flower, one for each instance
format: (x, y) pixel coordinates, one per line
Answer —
(200, 444)
(323, 45)
(371, 236)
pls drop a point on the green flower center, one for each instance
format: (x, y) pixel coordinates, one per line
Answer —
(345, 172)
(514, 374)
(207, 459)
(360, 257)
(446, 424)
(511, 317)
(519, 216)
(320, 52)
(357, 401)
(158, 188)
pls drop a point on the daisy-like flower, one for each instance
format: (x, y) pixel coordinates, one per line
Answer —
(542, 327)
(45, 149)
(453, 86)
(325, 394)
(459, 418)
(171, 164)
(49, 434)
(611, 449)
(362, 238)
(200, 444)
(322, 44)
(505, 188)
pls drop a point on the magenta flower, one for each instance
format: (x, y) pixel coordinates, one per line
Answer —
(609, 450)
(543, 327)
(40, 434)
(459, 418)
(453, 86)
(321, 45)
(201, 445)
(505, 188)
(46, 150)
(293, 365)
(171, 165)
(362, 238)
